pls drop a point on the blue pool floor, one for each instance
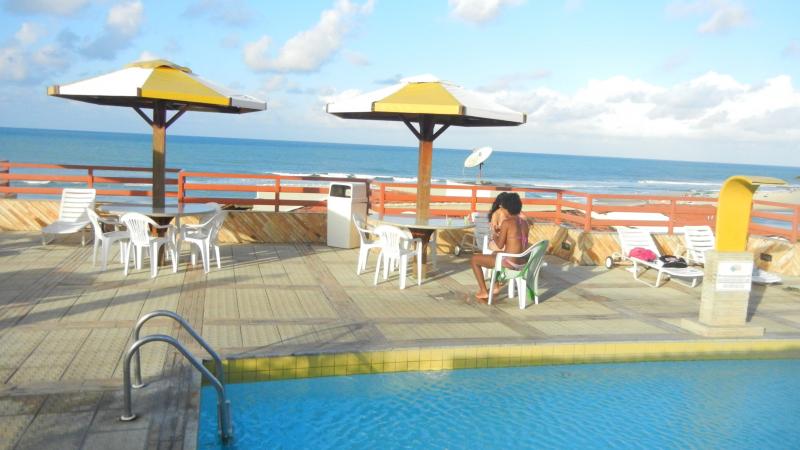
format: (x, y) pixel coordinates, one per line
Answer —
(701, 404)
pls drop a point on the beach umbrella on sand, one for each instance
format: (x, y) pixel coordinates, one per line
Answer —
(161, 86)
(429, 102)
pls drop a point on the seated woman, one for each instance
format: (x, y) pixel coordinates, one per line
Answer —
(497, 214)
(512, 238)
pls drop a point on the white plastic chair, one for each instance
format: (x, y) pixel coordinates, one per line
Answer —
(480, 235)
(525, 277)
(71, 214)
(699, 239)
(396, 246)
(106, 239)
(367, 244)
(203, 236)
(138, 226)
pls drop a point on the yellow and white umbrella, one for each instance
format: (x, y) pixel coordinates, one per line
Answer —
(428, 101)
(161, 86)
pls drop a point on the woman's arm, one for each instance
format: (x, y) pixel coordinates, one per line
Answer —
(502, 235)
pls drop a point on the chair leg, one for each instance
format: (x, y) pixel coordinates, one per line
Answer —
(522, 289)
(122, 245)
(127, 257)
(104, 255)
(138, 259)
(419, 268)
(378, 268)
(154, 259)
(511, 286)
(83, 237)
(94, 252)
(216, 253)
(362, 256)
(175, 256)
(403, 271)
(204, 254)
(491, 286)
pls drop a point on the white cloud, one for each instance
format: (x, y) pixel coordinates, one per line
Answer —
(478, 11)
(28, 33)
(22, 63)
(710, 106)
(123, 22)
(723, 15)
(229, 12)
(309, 49)
(52, 7)
(355, 58)
(147, 56)
(792, 50)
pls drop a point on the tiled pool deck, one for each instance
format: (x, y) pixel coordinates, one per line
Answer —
(64, 326)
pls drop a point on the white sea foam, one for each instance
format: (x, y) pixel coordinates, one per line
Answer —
(37, 182)
(679, 183)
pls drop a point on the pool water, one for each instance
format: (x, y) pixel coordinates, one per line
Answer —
(701, 404)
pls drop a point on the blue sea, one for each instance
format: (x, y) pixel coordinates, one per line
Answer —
(579, 173)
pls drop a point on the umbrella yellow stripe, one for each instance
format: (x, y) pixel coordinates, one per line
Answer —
(420, 98)
(172, 84)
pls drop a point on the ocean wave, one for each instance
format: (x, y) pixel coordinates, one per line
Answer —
(679, 183)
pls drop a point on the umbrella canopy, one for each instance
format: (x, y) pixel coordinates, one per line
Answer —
(428, 101)
(161, 86)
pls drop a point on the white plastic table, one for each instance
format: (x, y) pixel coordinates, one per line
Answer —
(422, 229)
(161, 216)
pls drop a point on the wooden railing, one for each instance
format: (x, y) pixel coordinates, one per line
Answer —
(578, 209)
(282, 190)
(70, 175)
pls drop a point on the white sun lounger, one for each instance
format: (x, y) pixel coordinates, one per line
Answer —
(630, 238)
(699, 240)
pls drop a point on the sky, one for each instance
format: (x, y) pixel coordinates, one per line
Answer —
(706, 80)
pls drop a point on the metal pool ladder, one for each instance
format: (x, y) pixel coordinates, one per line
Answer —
(223, 404)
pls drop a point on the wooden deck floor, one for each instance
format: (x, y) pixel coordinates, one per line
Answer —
(64, 325)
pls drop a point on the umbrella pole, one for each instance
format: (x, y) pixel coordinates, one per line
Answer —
(159, 153)
(424, 170)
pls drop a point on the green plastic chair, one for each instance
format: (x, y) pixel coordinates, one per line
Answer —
(526, 278)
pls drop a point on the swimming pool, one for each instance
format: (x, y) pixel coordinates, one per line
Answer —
(702, 404)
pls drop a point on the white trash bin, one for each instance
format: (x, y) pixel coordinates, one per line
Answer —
(344, 200)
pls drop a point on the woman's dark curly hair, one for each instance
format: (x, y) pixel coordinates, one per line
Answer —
(498, 202)
(512, 203)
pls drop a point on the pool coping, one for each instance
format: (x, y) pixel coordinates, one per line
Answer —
(412, 359)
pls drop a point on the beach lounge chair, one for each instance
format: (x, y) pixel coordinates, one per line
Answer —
(396, 246)
(105, 240)
(698, 239)
(72, 216)
(367, 243)
(202, 236)
(524, 278)
(630, 238)
(138, 226)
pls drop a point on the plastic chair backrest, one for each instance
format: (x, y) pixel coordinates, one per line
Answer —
(482, 227)
(392, 238)
(536, 258)
(361, 227)
(216, 207)
(74, 203)
(138, 226)
(630, 238)
(94, 219)
(216, 225)
(699, 239)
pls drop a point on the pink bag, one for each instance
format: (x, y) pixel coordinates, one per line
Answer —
(643, 254)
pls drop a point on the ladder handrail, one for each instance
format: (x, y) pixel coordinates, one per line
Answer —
(220, 373)
(223, 405)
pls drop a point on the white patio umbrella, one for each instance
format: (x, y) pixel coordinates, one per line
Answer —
(159, 85)
(428, 101)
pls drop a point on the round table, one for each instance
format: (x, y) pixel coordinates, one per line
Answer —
(161, 216)
(422, 229)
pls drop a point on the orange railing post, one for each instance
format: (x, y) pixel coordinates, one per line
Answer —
(474, 200)
(90, 178)
(383, 198)
(795, 220)
(671, 223)
(559, 199)
(181, 192)
(277, 194)
(5, 183)
(587, 219)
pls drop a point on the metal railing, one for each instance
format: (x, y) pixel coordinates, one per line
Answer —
(223, 404)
